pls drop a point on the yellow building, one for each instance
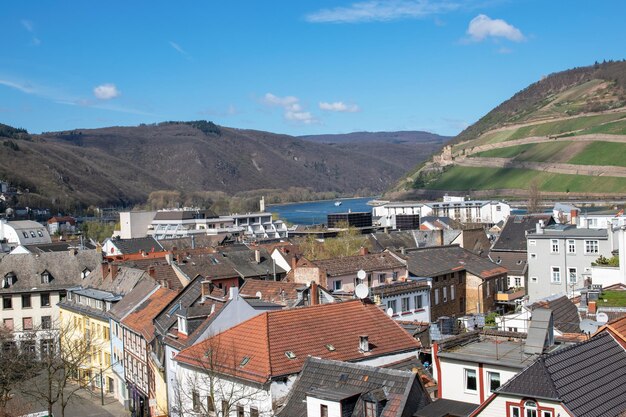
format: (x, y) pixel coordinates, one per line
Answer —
(83, 318)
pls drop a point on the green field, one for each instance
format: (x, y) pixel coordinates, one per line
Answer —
(601, 153)
(563, 126)
(469, 178)
(613, 299)
(613, 128)
(534, 152)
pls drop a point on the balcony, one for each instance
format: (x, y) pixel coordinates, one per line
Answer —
(511, 294)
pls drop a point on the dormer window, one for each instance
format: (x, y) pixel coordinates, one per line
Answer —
(25, 234)
(40, 233)
(244, 361)
(32, 233)
(290, 354)
(46, 277)
(364, 344)
(370, 409)
(182, 325)
(85, 272)
(9, 280)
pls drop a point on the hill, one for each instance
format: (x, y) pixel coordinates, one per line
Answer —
(566, 132)
(122, 165)
(406, 137)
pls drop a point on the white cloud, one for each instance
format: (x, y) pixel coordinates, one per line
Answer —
(382, 11)
(481, 27)
(180, 50)
(293, 110)
(339, 106)
(23, 87)
(106, 91)
(28, 25)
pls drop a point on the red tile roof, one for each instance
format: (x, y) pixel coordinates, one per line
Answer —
(351, 264)
(141, 319)
(617, 328)
(305, 331)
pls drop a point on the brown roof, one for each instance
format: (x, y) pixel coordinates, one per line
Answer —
(140, 320)
(275, 291)
(305, 331)
(617, 328)
(352, 264)
(159, 270)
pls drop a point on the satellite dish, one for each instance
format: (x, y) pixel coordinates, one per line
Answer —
(361, 274)
(258, 294)
(361, 291)
(390, 311)
(588, 326)
(602, 318)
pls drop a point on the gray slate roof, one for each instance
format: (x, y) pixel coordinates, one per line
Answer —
(429, 262)
(65, 268)
(401, 393)
(564, 313)
(513, 235)
(136, 245)
(124, 281)
(588, 378)
(446, 408)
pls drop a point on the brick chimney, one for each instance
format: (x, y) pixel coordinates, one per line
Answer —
(105, 268)
(592, 307)
(294, 262)
(439, 233)
(315, 296)
(152, 271)
(573, 214)
(113, 268)
(363, 251)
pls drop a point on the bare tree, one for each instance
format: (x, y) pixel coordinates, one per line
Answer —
(65, 351)
(208, 390)
(16, 368)
(534, 197)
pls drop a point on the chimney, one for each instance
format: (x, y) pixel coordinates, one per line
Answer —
(592, 307)
(257, 256)
(105, 269)
(539, 227)
(403, 250)
(113, 268)
(315, 296)
(294, 262)
(363, 251)
(262, 205)
(573, 215)
(193, 241)
(169, 258)
(439, 237)
(364, 344)
(152, 271)
(234, 292)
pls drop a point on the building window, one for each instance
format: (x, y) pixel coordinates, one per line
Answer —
(240, 411)
(530, 408)
(452, 292)
(394, 275)
(370, 409)
(405, 304)
(7, 303)
(515, 411)
(46, 277)
(532, 242)
(533, 256)
(556, 275)
(470, 380)
(418, 301)
(195, 401)
(45, 299)
(46, 322)
(254, 412)
(546, 414)
(533, 279)
(572, 276)
(382, 278)
(8, 324)
(494, 381)
(518, 281)
(391, 304)
(323, 410)
(337, 285)
(591, 246)
(210, 406)
(571, 246)
(436, 296)
(26, 301)
(27, 323)
(445, 294)
(554, 246)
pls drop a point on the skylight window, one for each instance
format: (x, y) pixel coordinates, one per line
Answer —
(290, 354)
(330, 347)
(244, 361)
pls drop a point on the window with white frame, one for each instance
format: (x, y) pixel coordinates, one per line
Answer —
(445, 294)
(555, 276)
(592, 246)
(494, 381)
(514, 411)
(518, 281)
(530, 409)
(571, 246)
(337, 285)
(554, 246)
(546, 413)
(392, 304)
(532, 242)
(470, 380)
(418, 301)
(572, 276)
(405, 304)
(436, 296)
(452, 292)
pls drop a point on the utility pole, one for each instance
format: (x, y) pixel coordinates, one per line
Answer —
(101, 387)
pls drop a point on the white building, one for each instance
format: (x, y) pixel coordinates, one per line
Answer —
(472, 211)
(385, 215)
(405, 301)
(134, 224)
(260, 225)
(22, 232)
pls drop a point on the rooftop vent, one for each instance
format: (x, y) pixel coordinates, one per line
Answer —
(330, 347)
(244, 361)
(290, 354)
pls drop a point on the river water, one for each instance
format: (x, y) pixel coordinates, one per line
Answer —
(314, 212)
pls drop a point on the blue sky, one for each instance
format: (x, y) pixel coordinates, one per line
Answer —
(296, 67)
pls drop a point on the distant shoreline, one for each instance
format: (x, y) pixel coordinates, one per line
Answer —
(319, 201)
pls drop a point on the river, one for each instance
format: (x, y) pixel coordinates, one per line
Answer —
(314, 212)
